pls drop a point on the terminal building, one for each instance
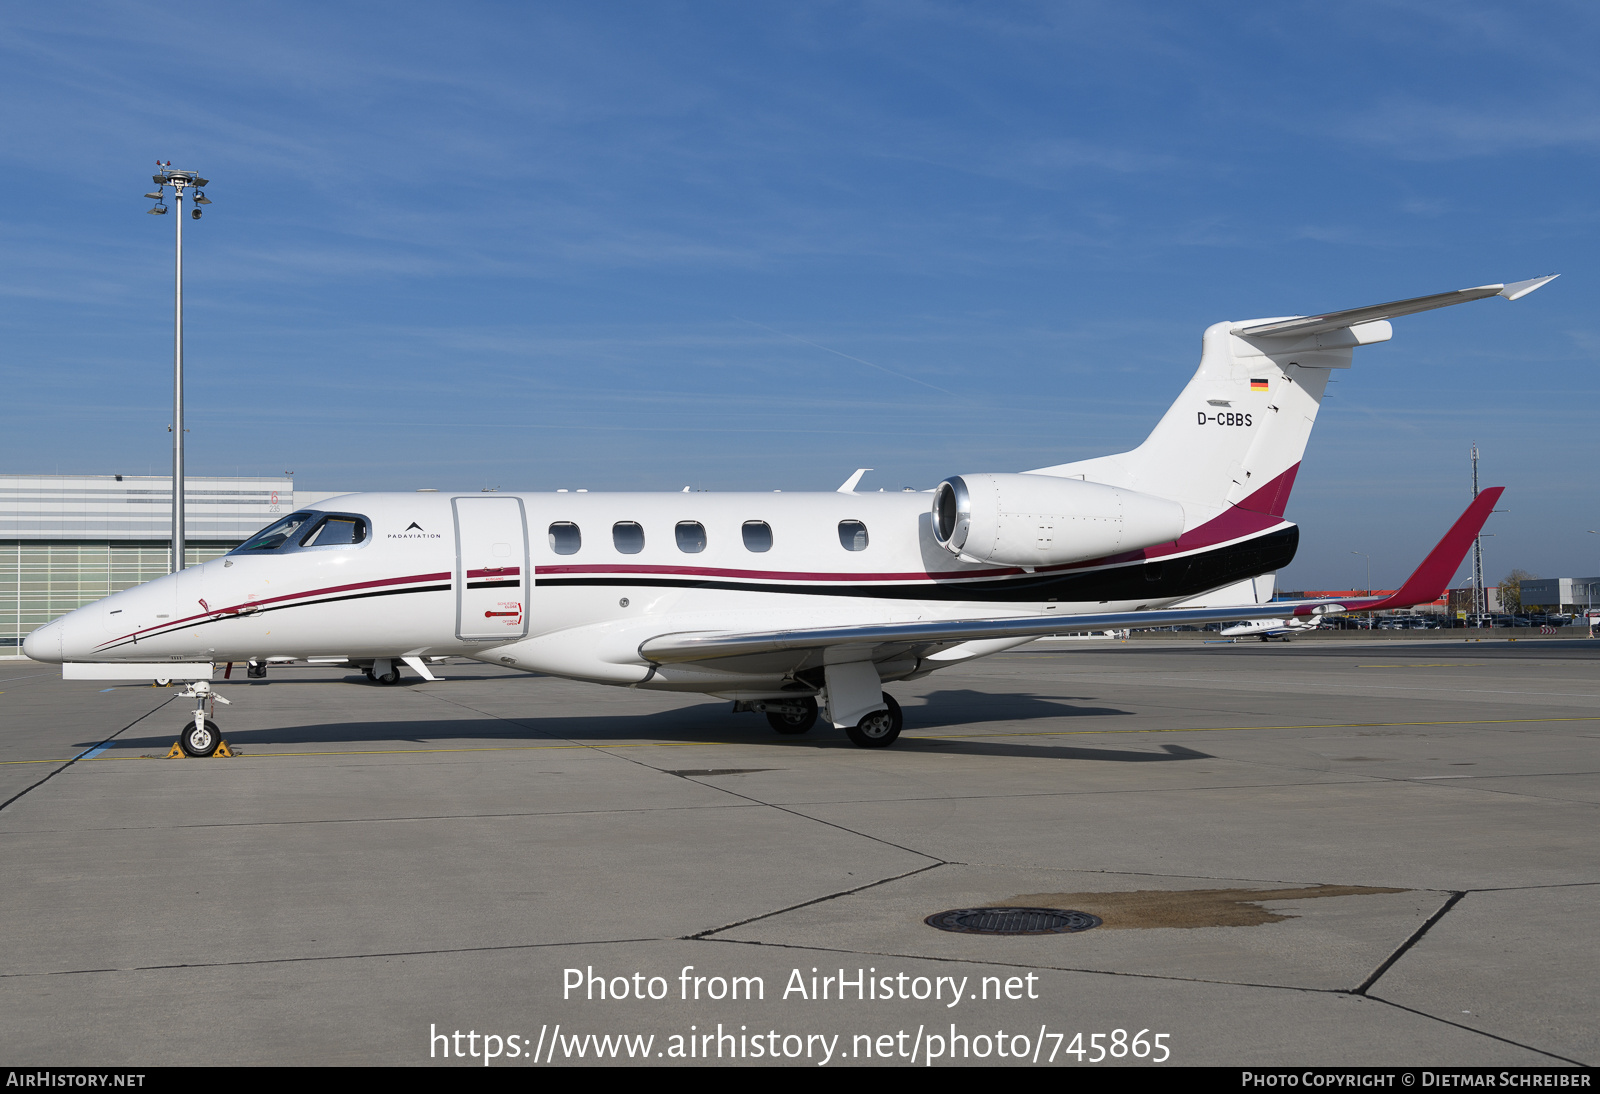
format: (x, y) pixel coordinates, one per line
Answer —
(68, 540)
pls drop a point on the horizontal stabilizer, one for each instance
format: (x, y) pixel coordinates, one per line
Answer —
(1319, 324)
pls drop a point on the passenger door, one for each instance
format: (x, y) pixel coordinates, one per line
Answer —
(492, 569)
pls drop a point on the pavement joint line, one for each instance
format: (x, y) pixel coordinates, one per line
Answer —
(722, 789)
(1470, 1029)
(1291, 883)
(705, 935)
(1520, 888)
(791, 811)
(906, 736)
(68, 763)
(1142, 976)
(1025, 965)
(30, 676)
(794, 811)
(338, 957)
(399, 820)
(1415, 937)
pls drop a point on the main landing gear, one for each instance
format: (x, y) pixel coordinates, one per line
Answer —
(384, 671)
(792, 716)
(878, 729)
(797, 720)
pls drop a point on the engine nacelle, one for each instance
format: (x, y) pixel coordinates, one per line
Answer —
(1042, 520)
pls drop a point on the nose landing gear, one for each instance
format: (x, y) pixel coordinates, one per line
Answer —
(200, 737)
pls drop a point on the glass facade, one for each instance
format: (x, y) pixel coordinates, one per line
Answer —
(42, 580)
(68, 540)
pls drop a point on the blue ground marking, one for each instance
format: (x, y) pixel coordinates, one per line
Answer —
(95, 751)
(104, 690)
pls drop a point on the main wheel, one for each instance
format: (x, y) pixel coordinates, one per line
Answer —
(200, 740)
(794, 723)
(390, 677)
(878, 729)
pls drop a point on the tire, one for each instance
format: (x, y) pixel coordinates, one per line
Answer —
(794, 723)
(202, 742)
(389, 678)
(163, 682)
(878, 729)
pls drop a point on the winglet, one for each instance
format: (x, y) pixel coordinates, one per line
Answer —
(1518, 289)
(1430, 580)
(853, 481)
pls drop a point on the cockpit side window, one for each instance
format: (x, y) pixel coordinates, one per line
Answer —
(336, 531)
(308, 529)
(276, 535)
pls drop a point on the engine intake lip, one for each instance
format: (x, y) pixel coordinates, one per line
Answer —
(952, 513)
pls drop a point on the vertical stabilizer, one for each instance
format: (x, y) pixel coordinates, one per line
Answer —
(1232, 442)
(1235, 436)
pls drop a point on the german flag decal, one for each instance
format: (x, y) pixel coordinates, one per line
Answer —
(1257, 385)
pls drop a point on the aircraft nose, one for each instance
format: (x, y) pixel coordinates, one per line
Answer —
(44, 644)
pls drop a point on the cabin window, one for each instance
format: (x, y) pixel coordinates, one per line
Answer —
(565, 538)
(276, 535)
(336, 532)
(852, 535)
(757, 536)
(691, 536)
(627, 537)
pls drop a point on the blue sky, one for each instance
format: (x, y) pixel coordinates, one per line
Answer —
(732, 245)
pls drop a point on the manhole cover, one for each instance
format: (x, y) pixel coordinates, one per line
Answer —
(1012, 921)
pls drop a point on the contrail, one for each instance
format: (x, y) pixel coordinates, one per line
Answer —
(846, 356)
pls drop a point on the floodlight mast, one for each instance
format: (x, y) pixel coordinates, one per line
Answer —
(179, 181)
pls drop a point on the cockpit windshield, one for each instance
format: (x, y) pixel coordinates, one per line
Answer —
(306, 529)
(276, 535)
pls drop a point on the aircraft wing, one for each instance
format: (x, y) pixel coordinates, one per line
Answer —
(876, 640)
(1334, 320)
(701, 646)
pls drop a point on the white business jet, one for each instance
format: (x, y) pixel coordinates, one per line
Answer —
(1268, 629)
(782, 602)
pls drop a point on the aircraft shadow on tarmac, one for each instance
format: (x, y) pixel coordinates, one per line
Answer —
(965, 707)
(705, 722)
(984, 746)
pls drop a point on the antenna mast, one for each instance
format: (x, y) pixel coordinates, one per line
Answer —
(1480, 601)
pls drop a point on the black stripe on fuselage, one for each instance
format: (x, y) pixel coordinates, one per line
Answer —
(1160, 579)
(514, 583)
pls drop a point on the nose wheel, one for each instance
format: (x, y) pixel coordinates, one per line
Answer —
(201, 737)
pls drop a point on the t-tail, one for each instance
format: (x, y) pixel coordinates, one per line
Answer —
(1229, 448)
